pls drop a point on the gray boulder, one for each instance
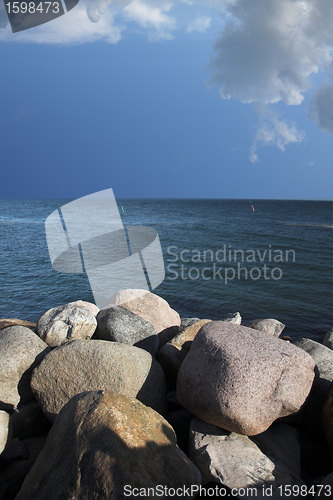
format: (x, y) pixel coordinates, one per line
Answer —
(268, 325)
(87, 365)
(233, 318)
(268, 460)
(118, 324)
(242, 380)
(328, 339)
(5, 430)
(102, 446)
(323, 357)
(64, 323)
(20, 351)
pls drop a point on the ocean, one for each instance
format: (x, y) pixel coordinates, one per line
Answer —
(262, 258)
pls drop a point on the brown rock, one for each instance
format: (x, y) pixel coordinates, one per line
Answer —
(328, 418)
(103, 445)
(242, 380)
(172, 354)
(88, 365)
(148, 306)
(18, 322)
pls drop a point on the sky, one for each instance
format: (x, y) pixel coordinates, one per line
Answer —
(170, 99)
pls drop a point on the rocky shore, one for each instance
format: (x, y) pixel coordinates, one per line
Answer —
(134, 401)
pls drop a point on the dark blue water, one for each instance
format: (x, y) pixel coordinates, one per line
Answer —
(291, 239)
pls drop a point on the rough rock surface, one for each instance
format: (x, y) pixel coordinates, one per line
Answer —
(100, 443)
(5, 430)
(20, 351)
(328, 339)
(269, 459)
(88, 305)
(13, 474)
(268, 325)
(233, 318)
(150, 307)
(327, 420)
(118, 324)
(323, 357)
(29, 421)
(4, 323)
(172, 354)
(88, 365)
(242, 380)
(64, 323)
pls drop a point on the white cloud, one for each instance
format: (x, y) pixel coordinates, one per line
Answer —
(321, 108)
(273, 131)
(269, 49)
(148, 16)
(200, 24)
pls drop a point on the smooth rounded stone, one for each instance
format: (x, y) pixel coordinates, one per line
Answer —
(5, 430)
(242, 380)
(327, 420)
(88, 365)
(269, 460)
(88, 305)
(64, 323)
(268, 325)
(328, 339)
(172, 354)
(148, 306)
(233, 318)
(109, 442)
(118, 324)
(29, 421)
(323, 357)
(20, 351)
(4, 323)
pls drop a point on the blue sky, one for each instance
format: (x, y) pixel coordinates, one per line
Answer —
(211, 99)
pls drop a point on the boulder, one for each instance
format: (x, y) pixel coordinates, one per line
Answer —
(20, 351)
(13, 474)
(118, 324)
(88, 305)
(64, 323)
(269, 460)
(4, 323)
(172, 354)
(269, 325)
(328, 339)
(327, 420)
(5, 430)
(242, 380)
(29, 420)
(103, 445)
(233, 318)
(148, 306)
(323, 357)
(87, 365)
